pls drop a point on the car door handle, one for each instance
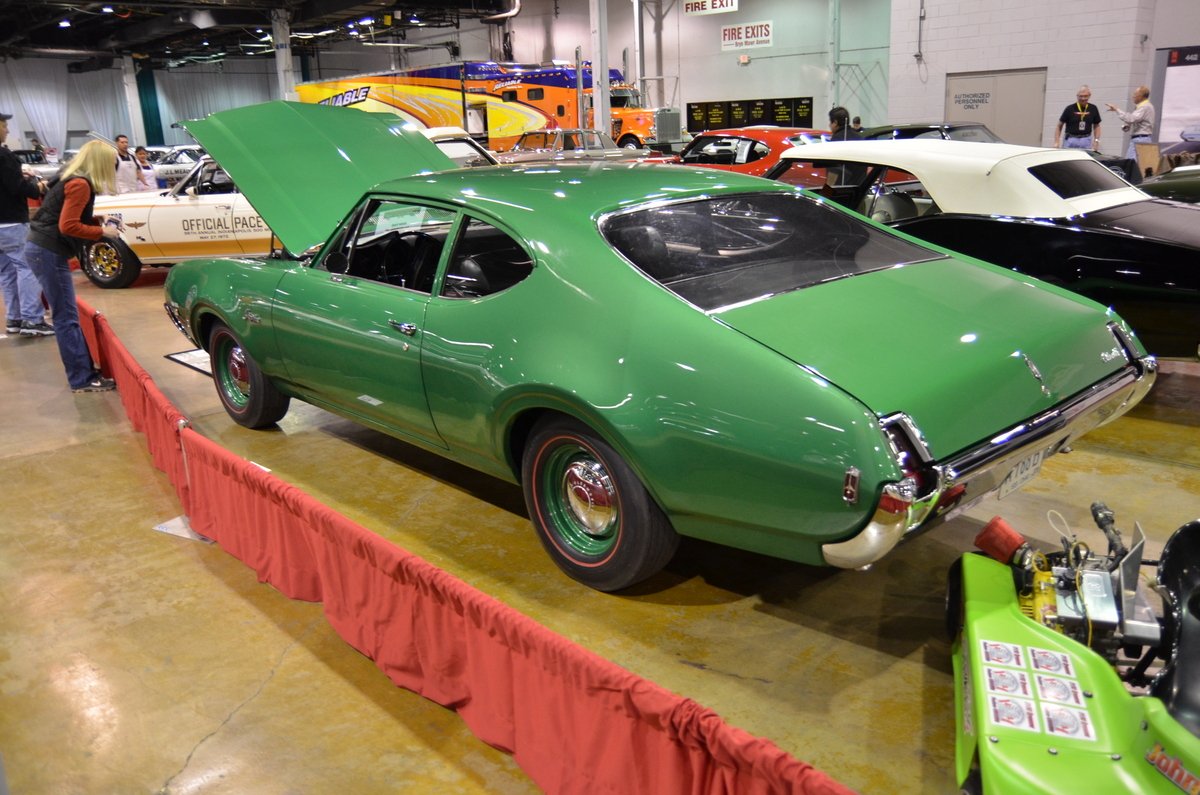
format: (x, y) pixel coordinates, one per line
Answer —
(407, 329)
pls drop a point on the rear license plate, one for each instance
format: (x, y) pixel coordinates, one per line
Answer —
(1021, 474)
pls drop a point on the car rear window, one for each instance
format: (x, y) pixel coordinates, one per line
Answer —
(1071, 178)
(722, 251)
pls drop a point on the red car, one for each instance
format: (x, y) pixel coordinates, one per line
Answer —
(746, 150)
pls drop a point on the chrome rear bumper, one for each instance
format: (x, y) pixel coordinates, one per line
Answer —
(979, 470)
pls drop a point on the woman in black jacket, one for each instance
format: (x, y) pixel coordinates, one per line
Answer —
(64, 221)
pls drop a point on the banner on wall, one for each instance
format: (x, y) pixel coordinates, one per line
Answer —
(1179, 108)
(696, 8)
(746, 37)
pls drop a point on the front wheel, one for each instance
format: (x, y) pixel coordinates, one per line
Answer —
(592, 514)
(247, 394)
(630, 142)
(110, 264)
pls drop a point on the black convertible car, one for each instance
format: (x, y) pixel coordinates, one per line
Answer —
(1056, 214)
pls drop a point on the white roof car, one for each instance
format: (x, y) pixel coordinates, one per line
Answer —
(978, 178)
(205, 215)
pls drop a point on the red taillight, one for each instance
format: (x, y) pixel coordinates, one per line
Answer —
(910, 463)
(896, 498)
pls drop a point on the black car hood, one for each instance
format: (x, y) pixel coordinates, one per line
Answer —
(1171, 222)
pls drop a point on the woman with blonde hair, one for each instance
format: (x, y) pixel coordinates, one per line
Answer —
(56, 233)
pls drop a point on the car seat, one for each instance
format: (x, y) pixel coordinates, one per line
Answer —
(645, 247)
(891, 206)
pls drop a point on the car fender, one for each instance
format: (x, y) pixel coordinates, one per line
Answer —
(238, 293)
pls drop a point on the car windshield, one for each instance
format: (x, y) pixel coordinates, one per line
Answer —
(722, 251)
(973, 133)
(1071, 178)
(464, 153)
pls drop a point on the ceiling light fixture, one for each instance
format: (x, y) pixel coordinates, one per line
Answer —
(64, 23)
(106, 10)
(367, 21)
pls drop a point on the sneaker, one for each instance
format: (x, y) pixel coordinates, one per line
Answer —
(12, 326)
(36, 329)
(98, 383)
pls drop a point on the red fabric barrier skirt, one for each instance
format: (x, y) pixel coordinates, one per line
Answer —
(575, 722)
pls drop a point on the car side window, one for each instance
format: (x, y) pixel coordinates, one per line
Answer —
(396, 243)
(213, 180)
(485, 260)
(897, 195)
(712, 150)
(748, 151)
(803, 174)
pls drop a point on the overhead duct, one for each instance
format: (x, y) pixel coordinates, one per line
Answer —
(501, 18)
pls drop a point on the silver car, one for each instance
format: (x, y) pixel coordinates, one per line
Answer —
(542, 146)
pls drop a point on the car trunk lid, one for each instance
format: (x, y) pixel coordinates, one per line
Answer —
(965, 350)
(303, 167)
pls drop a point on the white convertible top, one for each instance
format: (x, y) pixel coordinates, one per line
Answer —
(976, 178)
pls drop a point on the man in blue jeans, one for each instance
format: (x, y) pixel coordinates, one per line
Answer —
(22, 293)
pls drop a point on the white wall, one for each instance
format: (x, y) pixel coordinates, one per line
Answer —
(1176, 24)
(686, 50)
(1104, 43)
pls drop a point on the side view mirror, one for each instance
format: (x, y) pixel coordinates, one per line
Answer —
(191, 191)
(336, 262)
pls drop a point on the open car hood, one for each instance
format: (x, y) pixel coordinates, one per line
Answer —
(962, 349)
(303, 167)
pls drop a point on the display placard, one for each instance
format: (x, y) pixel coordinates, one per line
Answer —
(783, 112)
(717, 115)
(739, 113)
(760, 111)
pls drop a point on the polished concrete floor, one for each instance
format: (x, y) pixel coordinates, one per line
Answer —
(132, 661)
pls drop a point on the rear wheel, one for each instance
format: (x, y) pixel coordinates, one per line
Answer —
(247, 394)
(110, 264)
(592, 514)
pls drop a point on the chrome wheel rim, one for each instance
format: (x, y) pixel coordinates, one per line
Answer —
(582, 499)
(234, 373)
(105, 261)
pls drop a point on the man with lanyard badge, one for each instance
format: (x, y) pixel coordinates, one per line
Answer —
(1081, 122)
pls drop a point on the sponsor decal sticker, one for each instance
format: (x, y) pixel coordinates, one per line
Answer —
(1061, 691)
(1006, 682)
(1067, 722)
(1051, 662)
(1173, 769)
(1013, 713)
(351, 96)
(996, 653)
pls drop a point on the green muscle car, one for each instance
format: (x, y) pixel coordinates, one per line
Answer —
(650, 351)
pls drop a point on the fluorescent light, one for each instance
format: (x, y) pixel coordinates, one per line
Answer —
(64, 23)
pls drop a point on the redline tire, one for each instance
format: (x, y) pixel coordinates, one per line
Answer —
(248, 396)
(592, 514)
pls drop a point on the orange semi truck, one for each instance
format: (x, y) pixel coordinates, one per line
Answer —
(496, 102)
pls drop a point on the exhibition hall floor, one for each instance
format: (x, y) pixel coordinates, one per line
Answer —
(132, 660)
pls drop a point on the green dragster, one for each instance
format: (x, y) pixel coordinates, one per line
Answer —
(650, 351)
(1040, 705)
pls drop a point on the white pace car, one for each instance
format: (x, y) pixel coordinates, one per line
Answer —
(204, 215)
